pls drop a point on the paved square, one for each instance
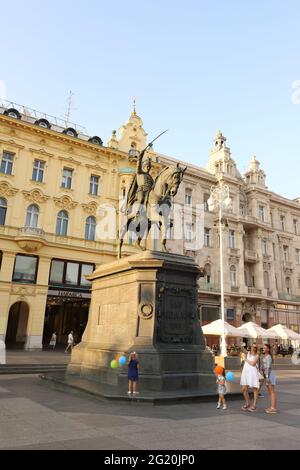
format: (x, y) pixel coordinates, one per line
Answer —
(34, 416)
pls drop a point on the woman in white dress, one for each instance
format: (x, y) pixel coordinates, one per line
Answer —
(250, 378)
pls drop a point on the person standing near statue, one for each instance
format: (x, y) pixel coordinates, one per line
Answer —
(133, 373)
(70, 342)
(52, 343)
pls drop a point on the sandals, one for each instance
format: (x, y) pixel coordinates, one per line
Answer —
(252, 409)
(271, 411)
(245, 407)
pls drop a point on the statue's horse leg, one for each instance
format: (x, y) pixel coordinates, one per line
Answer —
(140, 230)
(124, 230)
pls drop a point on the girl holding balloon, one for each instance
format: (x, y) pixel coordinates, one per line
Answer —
(133, 373)
(221, 381)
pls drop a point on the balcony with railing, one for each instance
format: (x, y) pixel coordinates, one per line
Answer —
(251, 256)
(30, 238)
(254, 290)
(234, 289)
(209, 287)
(234, 251)
(289, 297)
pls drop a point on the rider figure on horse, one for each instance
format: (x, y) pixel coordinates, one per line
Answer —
(141, 184)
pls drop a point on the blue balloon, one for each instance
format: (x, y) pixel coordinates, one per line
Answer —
(229, 376)
(122, 361)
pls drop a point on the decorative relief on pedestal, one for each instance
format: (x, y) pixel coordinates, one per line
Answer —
(65, 202)
(145, 311)
(6, 189)
(35, 195)
(90, 208)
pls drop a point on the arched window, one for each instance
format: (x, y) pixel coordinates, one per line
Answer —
(266, 280)
(207, 268)
(3, 209)
(62, 223)
(32, 216)
(232, 276)
(90, 227)
(288, 285)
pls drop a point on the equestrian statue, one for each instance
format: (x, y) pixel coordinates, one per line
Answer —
(149, 201)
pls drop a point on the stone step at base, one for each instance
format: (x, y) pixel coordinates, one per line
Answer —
(31, 368)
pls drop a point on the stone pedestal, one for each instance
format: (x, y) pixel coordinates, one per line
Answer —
(146, 303)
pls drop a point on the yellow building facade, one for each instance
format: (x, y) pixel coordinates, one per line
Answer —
(52, 181)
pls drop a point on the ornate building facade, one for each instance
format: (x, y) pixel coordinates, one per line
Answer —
(261, 237)
(54, 179)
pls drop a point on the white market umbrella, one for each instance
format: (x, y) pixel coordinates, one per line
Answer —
(215, 328)
(256, 331)
(285, 333)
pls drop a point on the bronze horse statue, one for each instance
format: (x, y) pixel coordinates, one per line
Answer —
(156, 209)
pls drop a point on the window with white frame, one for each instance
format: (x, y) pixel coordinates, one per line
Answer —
(170, 231)
(3, 210)
(274, 251)
(206, 197)
(207, 237)
(94, 185)
(90, 228)
(261, 213)
(188, 197)
(38, 170)
(32, 216)
(188, 232)
(67, 178)
(62, 223)
(7, 163)
(285, 252)
(288, 285)
(231, 239)
(233, 276)
(266, 280)
(207, 270)
(264, 246)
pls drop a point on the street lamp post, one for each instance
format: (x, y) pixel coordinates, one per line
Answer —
(219, 200)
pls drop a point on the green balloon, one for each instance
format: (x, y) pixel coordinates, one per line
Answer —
(114, 364)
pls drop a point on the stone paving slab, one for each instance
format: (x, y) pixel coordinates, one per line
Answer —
(33, 416)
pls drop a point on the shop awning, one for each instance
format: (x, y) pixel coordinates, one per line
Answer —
(256, 331)
(215, 328)
(284, 332)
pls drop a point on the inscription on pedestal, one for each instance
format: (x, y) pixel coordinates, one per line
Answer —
(175, 319)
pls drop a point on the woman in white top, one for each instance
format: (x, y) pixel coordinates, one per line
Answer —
(250, 378)
(70, 341)
(53, 340)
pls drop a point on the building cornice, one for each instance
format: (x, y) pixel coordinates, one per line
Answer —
(49, 133)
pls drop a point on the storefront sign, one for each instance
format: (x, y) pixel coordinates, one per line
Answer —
(69, 294)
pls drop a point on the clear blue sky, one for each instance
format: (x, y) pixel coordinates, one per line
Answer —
(194, 66)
